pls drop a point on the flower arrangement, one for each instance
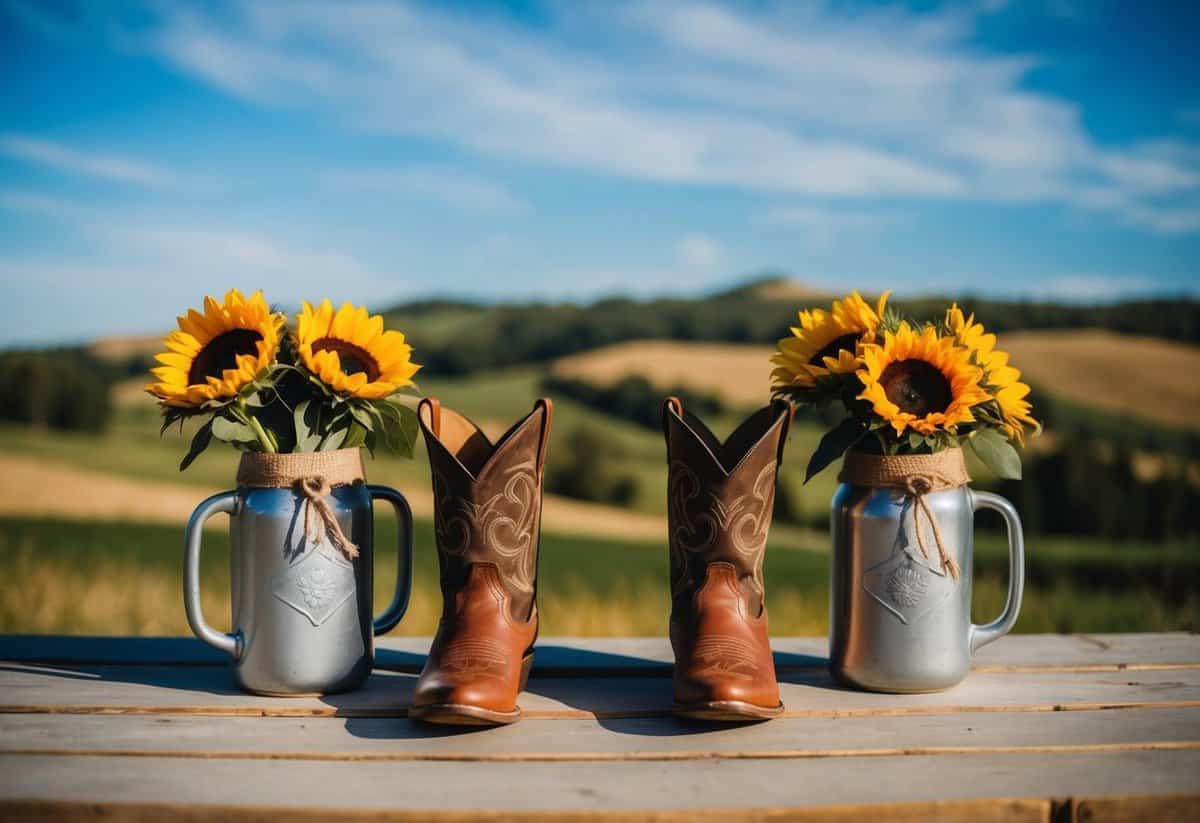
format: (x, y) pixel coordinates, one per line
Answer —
(906, 387)
(330, 383)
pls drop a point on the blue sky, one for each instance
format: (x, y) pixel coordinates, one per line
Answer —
(378, 151)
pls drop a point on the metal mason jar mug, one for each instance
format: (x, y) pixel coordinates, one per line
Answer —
(900, 600)
(301, 572)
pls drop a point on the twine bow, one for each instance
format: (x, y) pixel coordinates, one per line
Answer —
(917, 475)
(319, 520)
(917, 486)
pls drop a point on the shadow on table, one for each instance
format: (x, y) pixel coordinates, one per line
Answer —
(203, 679)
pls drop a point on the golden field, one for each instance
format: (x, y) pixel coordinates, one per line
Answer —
(1151, 379)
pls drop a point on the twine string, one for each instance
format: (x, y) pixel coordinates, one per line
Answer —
(917, 486)
(916, 476)
(319, 520)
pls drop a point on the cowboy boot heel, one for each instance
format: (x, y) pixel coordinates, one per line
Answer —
(526, 668)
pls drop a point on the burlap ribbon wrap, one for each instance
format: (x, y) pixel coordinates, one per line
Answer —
(916, 475)
(312, 475)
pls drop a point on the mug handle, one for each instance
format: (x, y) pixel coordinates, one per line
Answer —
(399, 605)
(980, 636)
(231, 644)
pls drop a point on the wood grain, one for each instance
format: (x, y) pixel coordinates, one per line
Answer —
(948, 811)
(619, 785)
(209, 690)
(635, 739)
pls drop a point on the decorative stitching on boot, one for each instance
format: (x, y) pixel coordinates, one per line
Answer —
(725, 655)
(471, 658)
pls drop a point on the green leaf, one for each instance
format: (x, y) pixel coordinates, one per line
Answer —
(996, 453)
(232, 431)
(356, 435)
(307, 420)
(171, 416)
(335, 439)
(362, 416)
(833, 445)
(199, 443)
(260, 398)
(402, 435)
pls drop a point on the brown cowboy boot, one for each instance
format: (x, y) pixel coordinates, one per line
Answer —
(720, 501)
(487, 516)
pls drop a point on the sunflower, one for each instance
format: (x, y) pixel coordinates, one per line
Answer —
(351, 353)
(213, 356)
(826, 342)
(920, 381)
(1000, 380)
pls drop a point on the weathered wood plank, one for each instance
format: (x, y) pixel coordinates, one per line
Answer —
(1120, 808)
(209, 690)
(620, 739)
(714, 784)
(636, 655)
(947, 811)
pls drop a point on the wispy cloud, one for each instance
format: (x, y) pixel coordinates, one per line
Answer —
(1093, 287)
(825, 219)
(99, 165)
(452, 187)
(821, 226)
(121, 258)
(35, 203)
(699, 251)
(805, 99)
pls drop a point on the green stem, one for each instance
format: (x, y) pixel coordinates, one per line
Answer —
(264, 438)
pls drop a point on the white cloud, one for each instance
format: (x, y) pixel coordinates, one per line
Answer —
(462, 191)
(825, 219)
(119, 259)
(115, 168)
(821, 226)
(793, 98)
(35, 203)
(699, 251)
(399, 71)
(1092, 288)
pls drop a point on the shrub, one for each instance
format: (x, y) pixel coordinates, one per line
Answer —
(57, 390)
(583, 465)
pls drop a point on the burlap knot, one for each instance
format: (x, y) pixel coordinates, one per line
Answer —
(916, 475)
(312, 475)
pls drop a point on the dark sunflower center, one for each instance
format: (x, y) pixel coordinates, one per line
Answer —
(916, 387)
(849, 342)
(354, 359)
(221, 353)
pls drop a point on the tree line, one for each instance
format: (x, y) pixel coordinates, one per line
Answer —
(458, 338)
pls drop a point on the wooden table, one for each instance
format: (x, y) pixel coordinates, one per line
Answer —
(1086, 728)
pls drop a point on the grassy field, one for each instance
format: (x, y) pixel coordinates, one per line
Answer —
(124, 578)
(1156, 377)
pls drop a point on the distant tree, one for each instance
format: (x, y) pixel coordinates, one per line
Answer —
(54, 389)
(585, 466)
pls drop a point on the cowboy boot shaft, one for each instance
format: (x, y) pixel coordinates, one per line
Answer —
(487, 515)
(720, 500)
(487, 503)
